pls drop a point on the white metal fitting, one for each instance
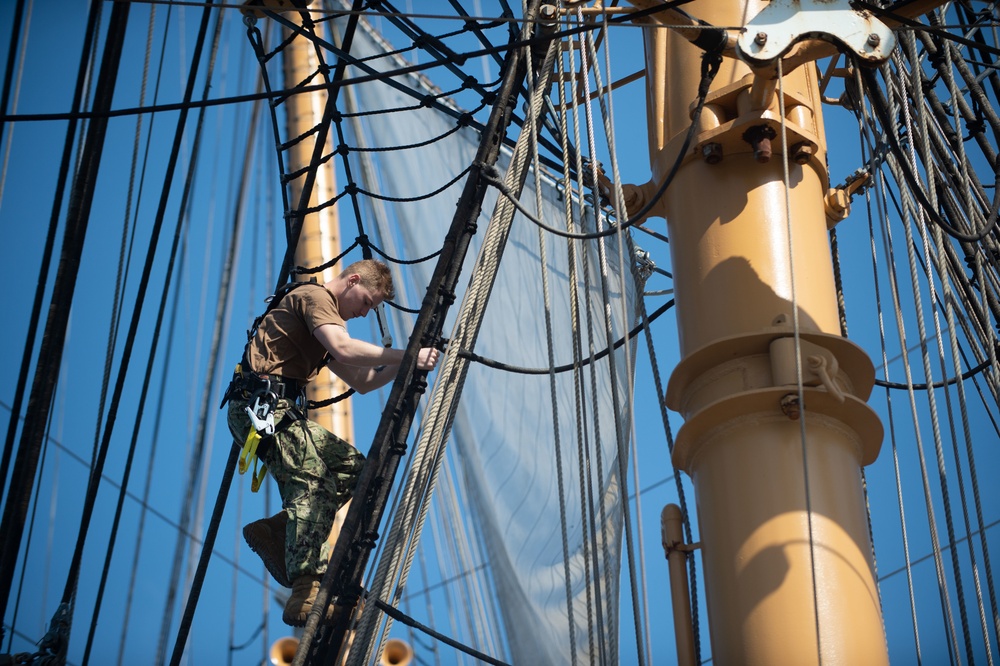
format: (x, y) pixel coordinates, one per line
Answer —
(783, 23)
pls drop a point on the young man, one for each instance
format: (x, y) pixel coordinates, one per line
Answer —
(315, 470)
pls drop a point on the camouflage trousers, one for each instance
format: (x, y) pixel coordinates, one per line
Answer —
(316, 472)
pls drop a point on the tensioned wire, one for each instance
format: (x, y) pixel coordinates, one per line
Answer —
(865, 122)
(607, 631)
(7, 133)
(594, 643)
(36, 500)
(796, 334)
(480, 599)
(893, 94)
(550, 351)
(953, 339)
(118, 290)
(949, 266)
(879, 189)
(640, 609)
(980, 254)
(623, 241)
(917, 142)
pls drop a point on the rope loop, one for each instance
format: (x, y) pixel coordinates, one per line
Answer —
(303, 270)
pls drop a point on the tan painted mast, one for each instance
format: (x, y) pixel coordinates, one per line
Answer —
(320, 238)
(783, 530)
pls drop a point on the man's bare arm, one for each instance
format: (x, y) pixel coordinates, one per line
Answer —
(348, 351)
(364, 380)
(362, 365)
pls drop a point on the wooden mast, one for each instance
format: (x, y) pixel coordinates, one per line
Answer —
(320, 238)
(787, 556)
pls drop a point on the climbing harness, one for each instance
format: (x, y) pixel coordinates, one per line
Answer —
(262, 393)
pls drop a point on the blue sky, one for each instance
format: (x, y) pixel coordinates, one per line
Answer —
(31, 154)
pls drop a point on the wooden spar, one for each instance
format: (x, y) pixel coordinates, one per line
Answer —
(777, 472)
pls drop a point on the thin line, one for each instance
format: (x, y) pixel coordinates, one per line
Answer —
(932, 554)
(798, 359)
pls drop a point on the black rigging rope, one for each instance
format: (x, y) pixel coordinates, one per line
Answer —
(50, 238)
(498, 365)
(8, 75)
(419, 197)
(398, 615)
(184, 209)
(376, 479)
(879, 104)
(51, 350)
(709, 68)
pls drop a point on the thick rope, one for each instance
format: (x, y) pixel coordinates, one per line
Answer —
(42, 281)
(797, 336)
(592, 455)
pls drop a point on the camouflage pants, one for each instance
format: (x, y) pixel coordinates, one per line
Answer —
(316, 472)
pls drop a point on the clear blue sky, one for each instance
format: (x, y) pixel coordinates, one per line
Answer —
(31, 155)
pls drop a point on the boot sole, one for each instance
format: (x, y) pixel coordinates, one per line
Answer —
(258, 544)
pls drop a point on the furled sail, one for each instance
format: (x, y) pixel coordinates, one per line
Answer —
(527, 495)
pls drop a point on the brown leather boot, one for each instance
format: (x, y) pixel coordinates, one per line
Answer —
(304, 591)
(266, 537)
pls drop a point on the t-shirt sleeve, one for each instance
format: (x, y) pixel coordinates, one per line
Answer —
(319, 307)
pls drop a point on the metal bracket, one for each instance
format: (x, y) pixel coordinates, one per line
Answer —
(783, 23)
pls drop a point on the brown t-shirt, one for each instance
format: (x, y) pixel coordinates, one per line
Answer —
(284, 344)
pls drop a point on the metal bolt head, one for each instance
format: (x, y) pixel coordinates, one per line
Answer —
(790, 406)
(548, 12)
(801, 152)
(712, 152)
(760, 39)
(874, 39)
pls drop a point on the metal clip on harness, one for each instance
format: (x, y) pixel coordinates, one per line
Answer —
(260, 409)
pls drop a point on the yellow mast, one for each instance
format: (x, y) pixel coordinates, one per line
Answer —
(320, 238)
(783, 531)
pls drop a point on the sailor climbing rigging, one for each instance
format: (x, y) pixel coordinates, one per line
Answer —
(315, 470)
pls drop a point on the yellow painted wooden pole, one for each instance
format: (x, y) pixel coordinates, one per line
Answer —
(781, 511)
(320, 238)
